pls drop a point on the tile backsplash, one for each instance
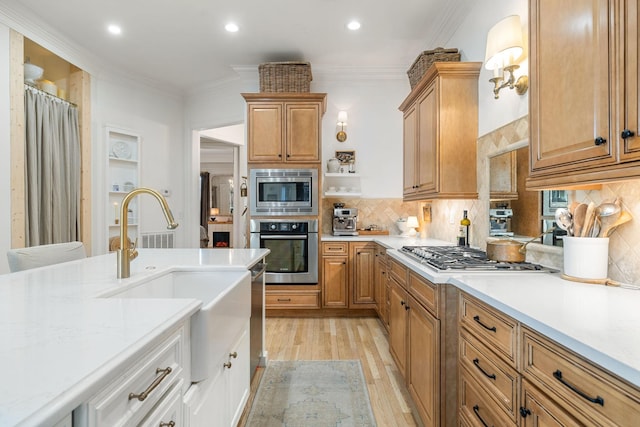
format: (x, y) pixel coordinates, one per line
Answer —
(382, 212)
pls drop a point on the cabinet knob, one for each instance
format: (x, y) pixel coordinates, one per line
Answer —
(280, 155)
(600, 141)
(402, 303)
(227, 365)
(288, 156)
(524, 412)
(627, 134)
(234, 355)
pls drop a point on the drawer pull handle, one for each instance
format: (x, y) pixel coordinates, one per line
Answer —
(477, 363)
(558, 375)
(142, 396)
(284, 299)
(477, 319)
(169, 424)
(476, 410)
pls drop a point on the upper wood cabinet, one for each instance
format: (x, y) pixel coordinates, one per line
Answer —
(584, 92)
(284, 127)
(440, 132)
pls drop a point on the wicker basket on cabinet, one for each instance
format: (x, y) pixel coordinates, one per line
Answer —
(428, 57)
(285, 77)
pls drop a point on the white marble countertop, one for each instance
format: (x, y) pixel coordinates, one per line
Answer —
(61, 344)
(599, 322)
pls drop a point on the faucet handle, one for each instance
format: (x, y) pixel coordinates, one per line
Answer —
(133, 253)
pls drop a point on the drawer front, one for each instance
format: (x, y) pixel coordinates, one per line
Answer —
(398, 271)
(425, 292)
(381, 254)
(168, 410)
(476, 406)
(118, 404)
(501, 380)
(582, 386)
(335, 248)
(292, 300)
(495, 330)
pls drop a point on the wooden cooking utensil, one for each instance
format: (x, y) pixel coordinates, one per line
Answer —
(588, 220)
(572, 207)
(578, 219)
(623, 218)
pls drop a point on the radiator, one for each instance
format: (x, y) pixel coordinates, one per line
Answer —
(162, 239)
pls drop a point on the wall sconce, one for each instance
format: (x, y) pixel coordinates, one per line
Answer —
(213, 212)
(342, 122)
(504, 47)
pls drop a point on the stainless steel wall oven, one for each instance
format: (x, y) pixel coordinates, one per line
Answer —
(283, 192)
(294, 249)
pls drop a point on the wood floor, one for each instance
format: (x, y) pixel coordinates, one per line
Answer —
(345, 339)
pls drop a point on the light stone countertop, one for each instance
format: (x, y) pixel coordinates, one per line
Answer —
(601, 323)
(61, 343)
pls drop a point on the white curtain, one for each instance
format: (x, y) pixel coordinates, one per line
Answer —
(52, 169)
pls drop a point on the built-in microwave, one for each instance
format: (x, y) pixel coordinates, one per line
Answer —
(283, 192)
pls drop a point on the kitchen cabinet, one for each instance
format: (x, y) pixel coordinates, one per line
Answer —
(381, 285)
(440, 129)
(123, 175)
(415, 343)
(583, 129)
(148, 383)
(348, 275)
(219, 400)
(284, 127)
(335, 274)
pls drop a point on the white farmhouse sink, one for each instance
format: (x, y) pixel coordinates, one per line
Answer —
(226, 307)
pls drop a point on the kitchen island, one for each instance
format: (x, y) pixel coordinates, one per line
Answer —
(63, 341)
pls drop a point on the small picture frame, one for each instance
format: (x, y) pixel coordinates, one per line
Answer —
(346, 157)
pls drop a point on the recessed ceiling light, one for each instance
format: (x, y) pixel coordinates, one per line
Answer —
(353, 25)
(231, 27)
(114, 29)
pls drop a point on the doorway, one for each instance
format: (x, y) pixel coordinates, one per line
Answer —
(220, 201)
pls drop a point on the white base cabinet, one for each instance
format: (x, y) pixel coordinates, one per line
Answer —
(219, 400)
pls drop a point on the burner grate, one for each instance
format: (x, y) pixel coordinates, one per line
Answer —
(450, 258)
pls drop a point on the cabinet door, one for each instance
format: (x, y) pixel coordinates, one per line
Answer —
(540, 411)
(335, 281)
(427, 144)
(631, 120)
(362, 263)
(398, 325)
(410, 147)
(239, 376)
(264, 132)
(380, 275)
(570, 84)
(423, 378)
(303, 132)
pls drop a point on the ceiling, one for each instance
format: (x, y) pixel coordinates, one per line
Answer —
(183, 44)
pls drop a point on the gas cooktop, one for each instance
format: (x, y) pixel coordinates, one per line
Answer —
(462, 258)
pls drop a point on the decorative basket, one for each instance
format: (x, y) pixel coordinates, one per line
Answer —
(285, 76)
(428, 57)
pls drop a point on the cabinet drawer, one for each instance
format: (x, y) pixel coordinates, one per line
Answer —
(116, 405)
(501, 380)
(168, 410)
(425, 292)
(577, 383)
(285, 299)
(495, 330)
(335, 248)
(476, 406)
(398, 271)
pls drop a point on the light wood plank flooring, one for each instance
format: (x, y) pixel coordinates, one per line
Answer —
(345, 339)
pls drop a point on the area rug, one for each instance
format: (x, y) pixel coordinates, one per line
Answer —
(326, 393)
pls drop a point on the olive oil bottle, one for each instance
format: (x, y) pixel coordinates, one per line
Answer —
(463, 236)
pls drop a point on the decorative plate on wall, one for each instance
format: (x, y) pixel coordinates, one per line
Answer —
(121, 150)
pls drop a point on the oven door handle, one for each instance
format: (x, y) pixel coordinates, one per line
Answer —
(287, 237)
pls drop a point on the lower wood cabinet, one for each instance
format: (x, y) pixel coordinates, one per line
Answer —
(348, 279)
(381, 285)
(511, 375)
(398, 324)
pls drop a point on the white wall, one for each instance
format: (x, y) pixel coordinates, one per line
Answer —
(5, 151)
(471, 39)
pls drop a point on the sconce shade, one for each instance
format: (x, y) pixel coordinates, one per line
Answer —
(504, 43)
(342, 118)
(214, 211)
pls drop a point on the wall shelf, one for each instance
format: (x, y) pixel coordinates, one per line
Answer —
(342, 185)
